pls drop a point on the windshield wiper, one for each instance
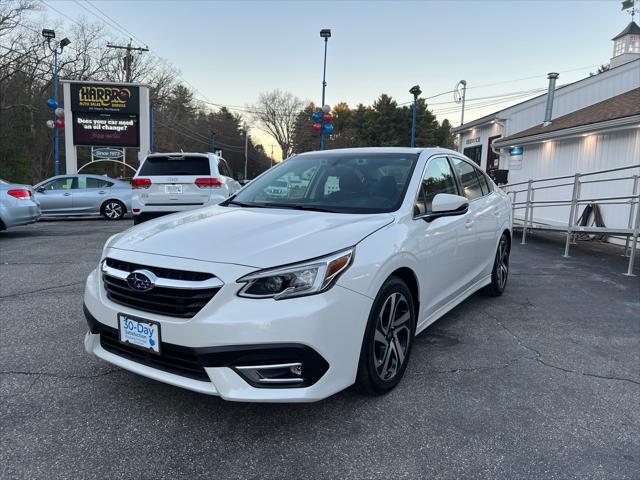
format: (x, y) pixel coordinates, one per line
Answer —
(240, 204)
(298, 206)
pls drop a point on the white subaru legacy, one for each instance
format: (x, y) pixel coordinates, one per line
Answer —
(292, 297)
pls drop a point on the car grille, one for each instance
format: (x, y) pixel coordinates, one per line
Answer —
(172, 359)
(181, 302)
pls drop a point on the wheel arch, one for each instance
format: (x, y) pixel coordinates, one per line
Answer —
(408, 276)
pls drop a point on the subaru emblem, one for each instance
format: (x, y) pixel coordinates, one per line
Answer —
(141, 280)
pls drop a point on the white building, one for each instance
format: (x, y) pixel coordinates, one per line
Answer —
(591, 124)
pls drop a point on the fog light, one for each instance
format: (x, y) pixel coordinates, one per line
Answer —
(296, 369)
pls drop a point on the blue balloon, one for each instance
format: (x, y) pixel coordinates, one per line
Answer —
(328, 128)
(317, 116)
(52, 104)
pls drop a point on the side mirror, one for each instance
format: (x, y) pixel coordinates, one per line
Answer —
(40, 190)
(447, 205)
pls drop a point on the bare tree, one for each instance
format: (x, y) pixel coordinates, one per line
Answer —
(276, 113)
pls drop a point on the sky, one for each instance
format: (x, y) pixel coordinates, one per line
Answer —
(232, 51)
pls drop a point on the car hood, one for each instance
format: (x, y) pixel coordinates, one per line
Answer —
(255, 237)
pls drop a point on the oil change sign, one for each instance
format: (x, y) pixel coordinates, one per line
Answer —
(106, 130)
(105, 98)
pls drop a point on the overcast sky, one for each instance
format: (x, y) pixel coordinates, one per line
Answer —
(232, 51)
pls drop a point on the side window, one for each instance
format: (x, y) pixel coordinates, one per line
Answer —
(59, 184)
(81, 182)
(438, 178)
(224, 169)
(468, 178)
(487, 186)
(97, 183)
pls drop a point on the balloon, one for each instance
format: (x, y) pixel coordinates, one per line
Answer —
(317, 116)
(328, 128)
(51, 124)
(59, 112)
(52, 104)
(326, 109)
(60, 123)
(328, 117)
(317, 126)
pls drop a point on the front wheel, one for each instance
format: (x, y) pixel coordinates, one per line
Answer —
(387, 341)
(500, 272)
(113, 210)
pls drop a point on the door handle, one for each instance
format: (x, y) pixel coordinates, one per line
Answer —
(101, 192)
(468, 224)
(66, 194)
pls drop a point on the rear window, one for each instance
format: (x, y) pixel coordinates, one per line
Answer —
(170, 165)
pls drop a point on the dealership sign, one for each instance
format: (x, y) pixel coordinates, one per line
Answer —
(105, 114)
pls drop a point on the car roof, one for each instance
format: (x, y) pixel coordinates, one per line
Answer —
(373, 150)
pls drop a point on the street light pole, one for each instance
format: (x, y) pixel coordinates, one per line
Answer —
(56, 49)
(415, 91)
(246, 152)
(326, 34)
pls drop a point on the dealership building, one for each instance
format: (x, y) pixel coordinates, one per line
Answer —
(591, 124)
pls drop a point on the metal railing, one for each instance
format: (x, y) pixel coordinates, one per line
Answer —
(632, 200)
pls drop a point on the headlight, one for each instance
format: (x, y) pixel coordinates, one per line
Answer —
(306, 278)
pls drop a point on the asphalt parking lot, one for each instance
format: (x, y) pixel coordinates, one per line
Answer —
(542, 383)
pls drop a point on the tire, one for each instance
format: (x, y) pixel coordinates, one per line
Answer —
(113, 210)
(381, 368)
(500, 272)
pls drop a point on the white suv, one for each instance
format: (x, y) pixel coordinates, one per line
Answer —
(175, 182)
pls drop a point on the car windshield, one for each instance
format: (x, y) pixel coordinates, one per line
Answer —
(334, 182)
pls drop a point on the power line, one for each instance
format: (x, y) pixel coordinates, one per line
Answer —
(128, 32)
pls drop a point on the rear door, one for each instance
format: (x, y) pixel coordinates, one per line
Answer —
(56, 196)
(173, 180)
(89, 193)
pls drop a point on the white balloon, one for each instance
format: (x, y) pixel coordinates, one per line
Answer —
(59, 112)
(51, 124)
(326, 109)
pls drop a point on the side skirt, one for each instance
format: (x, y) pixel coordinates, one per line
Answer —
(453, 303)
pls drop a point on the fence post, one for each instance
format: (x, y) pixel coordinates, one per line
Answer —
(574, 202)
(634, 243)
(634, 193)
(513, 206)
(526, 213)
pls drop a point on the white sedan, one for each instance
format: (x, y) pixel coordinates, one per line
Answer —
(295, 298)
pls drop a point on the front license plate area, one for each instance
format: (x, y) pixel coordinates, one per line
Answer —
(139, 333)
(173, 189)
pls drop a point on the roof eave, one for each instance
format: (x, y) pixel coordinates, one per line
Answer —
(613, 124)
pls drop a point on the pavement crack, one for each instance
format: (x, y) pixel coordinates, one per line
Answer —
(539, 358)
(44, 289)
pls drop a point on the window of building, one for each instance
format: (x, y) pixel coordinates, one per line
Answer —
(618, 46)
(474, 153)
(634, 44)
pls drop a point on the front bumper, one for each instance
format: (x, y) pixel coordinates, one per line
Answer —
(323, 332)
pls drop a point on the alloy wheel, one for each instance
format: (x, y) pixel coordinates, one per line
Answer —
(113, 210)
(392, 336)
(502, 263)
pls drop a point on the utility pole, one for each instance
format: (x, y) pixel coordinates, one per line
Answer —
(272, 145)
(246, 152)
(213, 141)
(128, 58)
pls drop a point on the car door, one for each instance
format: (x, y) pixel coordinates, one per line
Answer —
(443, 259)
(87, 195)
(55, 196)
(480, 234)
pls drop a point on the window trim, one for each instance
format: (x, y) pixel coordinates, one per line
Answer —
(424, 170)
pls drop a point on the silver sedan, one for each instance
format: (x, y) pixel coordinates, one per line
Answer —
(66, 195)
(17, 205)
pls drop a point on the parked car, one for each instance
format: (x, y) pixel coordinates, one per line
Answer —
(174, 182)
(17, 205)
(83, 195)
(294, 299)
(278, 189)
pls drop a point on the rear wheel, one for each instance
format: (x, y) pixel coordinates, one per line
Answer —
(500, 272)
(113, 210)
(387, 341)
